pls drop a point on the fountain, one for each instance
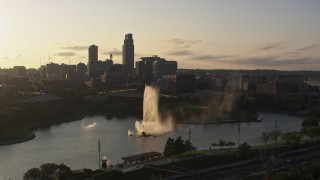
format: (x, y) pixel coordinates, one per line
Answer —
(153, 122)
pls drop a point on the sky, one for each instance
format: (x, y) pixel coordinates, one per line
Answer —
(198, 34)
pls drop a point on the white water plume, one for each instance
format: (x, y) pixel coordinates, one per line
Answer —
(153, 123)
(130, 133)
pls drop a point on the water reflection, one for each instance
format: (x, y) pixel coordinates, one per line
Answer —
(88, 124)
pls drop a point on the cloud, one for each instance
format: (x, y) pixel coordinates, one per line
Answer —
(181, 52)
(310, 47)
(182, 43)
(74, 48)
(210, 57)
(274, 61)
(269, 46)
(114, 51)
(65, 54)
(8, 58)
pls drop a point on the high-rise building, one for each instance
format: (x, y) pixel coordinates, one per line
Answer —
(145, 68)
(163, 67)
(93, 53)
(128, 54)
(154, 68)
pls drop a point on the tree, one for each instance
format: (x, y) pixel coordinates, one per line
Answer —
(63, 172)
(214, 145)
(222, 143)
(178, 146)
(168, 148)
(274, 135)
(304, 133)
(265, 137)
(287, 138)
(296, 138)
(31, 174)
(48, 171)
(314, 132)
(244, 149)
(189, 146)
(229, 144)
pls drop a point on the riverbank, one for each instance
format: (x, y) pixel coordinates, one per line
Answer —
(29, 134)
(219, 122)
(28, 130)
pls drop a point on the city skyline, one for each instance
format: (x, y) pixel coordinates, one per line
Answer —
(209, 35)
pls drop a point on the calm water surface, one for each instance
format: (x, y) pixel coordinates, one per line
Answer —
(75, 143)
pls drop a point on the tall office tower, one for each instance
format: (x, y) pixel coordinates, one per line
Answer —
(93, 53)
(128, 55)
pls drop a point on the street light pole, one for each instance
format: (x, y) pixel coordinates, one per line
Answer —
(99, 149)
(238, 135)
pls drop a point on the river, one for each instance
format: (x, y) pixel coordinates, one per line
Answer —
(75, 143)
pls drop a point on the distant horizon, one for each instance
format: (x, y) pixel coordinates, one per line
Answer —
(182, 68)
(213, 34)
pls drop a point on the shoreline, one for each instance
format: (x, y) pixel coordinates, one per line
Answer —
(29, 130)
(30, 134)
(218, 122)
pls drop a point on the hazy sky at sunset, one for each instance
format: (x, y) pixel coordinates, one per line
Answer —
(207, 34)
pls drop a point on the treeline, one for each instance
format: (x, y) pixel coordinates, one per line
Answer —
(51, 171)
(177, 146)
(294, 138)
(286, 103)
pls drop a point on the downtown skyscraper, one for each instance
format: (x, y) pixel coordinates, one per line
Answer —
(93, 53)
(128, 55)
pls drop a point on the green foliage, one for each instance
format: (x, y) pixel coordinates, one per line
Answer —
(168, 148)
(49, 171)
(310, 121)
(107, 175)
(214, 145)
(188, 146)
(292, 138)
(275, 135)
(244, 149)
(31, 174)
(313, 133)
(222, 143)
(177, 146)
(63, 172)
(265, 137)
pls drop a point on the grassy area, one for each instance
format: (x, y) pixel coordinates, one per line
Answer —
(141, 174)
(207, 161)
